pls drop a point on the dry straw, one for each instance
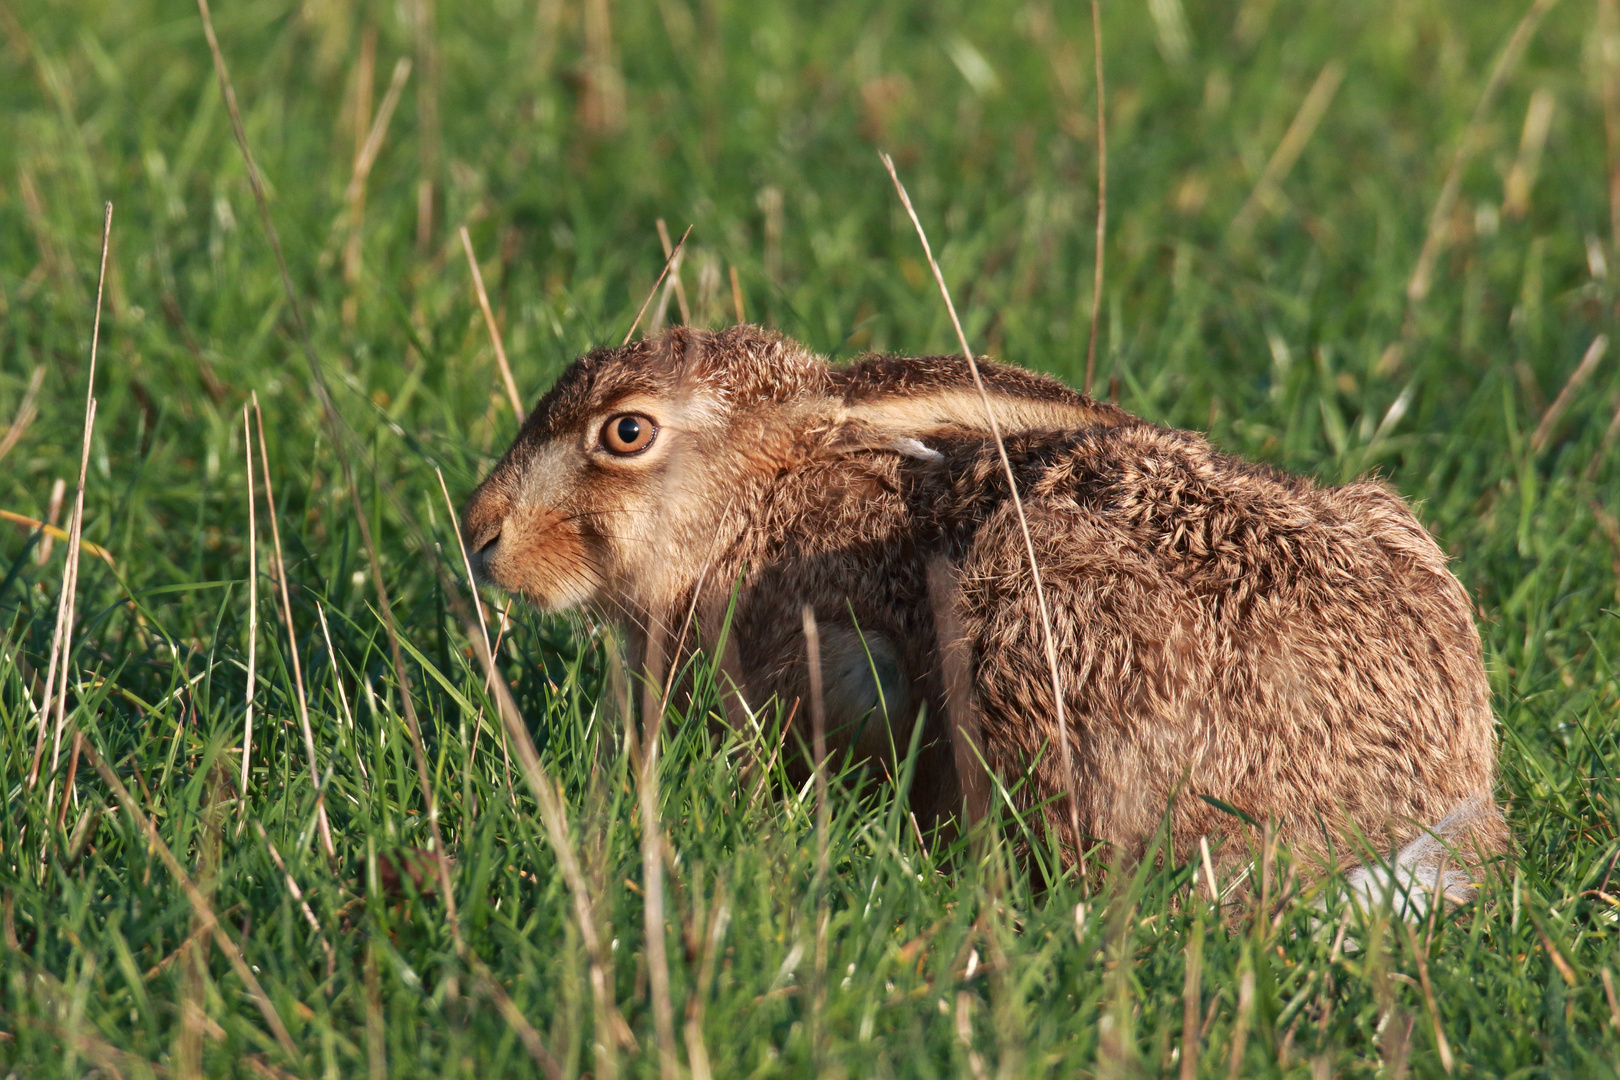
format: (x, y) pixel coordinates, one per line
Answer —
(736, 295)
(365, 157)
(669, 261)
(253, 607)
(292, 641)
(1608, 41)
(1065, 751)
(818, 747)
(494, 332)
(652, 855)
(62, 638)
(1102, 213)
(675, 275)
(1555, 411)
(26, 411)
(51, 532)
(1288, 150)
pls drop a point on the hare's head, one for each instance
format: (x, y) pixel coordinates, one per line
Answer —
(614, 485)
(639, 458)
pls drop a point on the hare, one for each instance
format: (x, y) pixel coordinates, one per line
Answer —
(1229, 636)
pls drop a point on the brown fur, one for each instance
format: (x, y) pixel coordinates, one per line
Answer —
(1224, 630)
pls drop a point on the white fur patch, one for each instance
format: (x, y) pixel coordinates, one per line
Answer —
(914, 448)
(1431, 865)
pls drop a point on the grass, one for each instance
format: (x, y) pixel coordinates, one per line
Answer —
(1290, 337)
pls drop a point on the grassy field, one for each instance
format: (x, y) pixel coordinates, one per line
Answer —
(1406, 286)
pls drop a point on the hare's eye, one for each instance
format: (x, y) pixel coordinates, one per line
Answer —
(628, 433)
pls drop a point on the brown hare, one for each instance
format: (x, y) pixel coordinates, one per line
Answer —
(1226, 633)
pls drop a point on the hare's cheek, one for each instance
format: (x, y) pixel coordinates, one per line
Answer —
(542, 555)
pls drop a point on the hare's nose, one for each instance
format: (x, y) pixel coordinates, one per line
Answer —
(485, 538)
(481, 525)
(481, 549)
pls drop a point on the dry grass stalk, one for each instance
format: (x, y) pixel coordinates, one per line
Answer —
(478, 608)
(365, 77)
(656, 323)
(1439, 231)
(337, 683)
(697, 1054)
(253, 608)
(195, 1022)
(1555, 411)
(675, 273)
(427, 118)
(1557, 958)
(769, 201)
(1209, 870)
(280, 566)
(62, 638)
(199, 903)
(367, 147)
(1288, 150)
(1066, 752)
(1418, 952)
(668, 262)
(487, 987)
(26, 411)
(68, 604)
(1191, 1003)
(609, 1026)
(652, 852)
(376, 1031)
(736, 295)
(1614, 1001)
(494, 333)
(1240, 1026)
(52, 532)
(1521, 179)
(298, 895)
(53, 511)
(58, 263)
(339, 430)
(1608, 35)
(818, 750)
(603, 105)
(1102, 201)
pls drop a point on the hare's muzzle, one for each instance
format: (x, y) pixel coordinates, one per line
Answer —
(481, 527)
(528, 547)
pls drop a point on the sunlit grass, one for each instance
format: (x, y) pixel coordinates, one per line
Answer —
(760, 125)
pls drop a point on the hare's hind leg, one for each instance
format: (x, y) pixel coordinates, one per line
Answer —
(1443, 860)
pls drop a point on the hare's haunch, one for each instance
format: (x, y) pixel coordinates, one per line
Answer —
(1227, 633)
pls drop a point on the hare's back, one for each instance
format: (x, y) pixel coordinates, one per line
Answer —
(1296, 650)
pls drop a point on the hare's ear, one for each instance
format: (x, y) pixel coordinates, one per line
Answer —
(906, 423)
